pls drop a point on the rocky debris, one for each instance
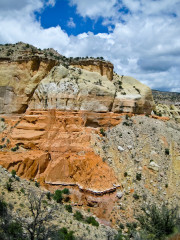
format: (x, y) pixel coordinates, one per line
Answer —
(170, 111)
(149, 172)
(121, 149)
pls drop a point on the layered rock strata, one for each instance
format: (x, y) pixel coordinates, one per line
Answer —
(104, 68)
(55, 147)
(74, 89)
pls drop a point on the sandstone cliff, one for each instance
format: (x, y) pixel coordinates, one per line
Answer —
(27, 78)
(71, 124)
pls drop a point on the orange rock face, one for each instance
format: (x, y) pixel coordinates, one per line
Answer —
(55, 147)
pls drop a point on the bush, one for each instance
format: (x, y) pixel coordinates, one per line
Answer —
(102, 132)
(63, 234)
(65, 191)
(78, 216)
(92, 220)
(58, 196)
(13, 172)
(48, 195)
(9, 186)
(125, 174)
(68, 208)
(136, 196)
(159, 222)
(3, 208)
(138, 176)
(167, 151)
(37, 184)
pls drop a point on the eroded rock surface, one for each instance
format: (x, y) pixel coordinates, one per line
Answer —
(74, 89)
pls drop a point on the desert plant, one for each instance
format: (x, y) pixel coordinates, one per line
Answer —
(92, 220)
(167, 151)
(58, 196)
(66, 191)
(136, 196)
(9, 186)
(102, 132)
(159, 222)
(37, 184)
(138, 176)
(78, 216)
(68, 208)
(13, 172)
(65, 235)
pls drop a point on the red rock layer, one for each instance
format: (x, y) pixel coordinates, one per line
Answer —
(55, 147)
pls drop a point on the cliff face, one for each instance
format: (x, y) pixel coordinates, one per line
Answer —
(80, 90)
(104, 68)
(78, 129)
(18, 81)
(56, 147)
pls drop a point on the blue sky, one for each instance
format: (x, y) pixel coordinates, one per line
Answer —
(140, 37)
(72, 23)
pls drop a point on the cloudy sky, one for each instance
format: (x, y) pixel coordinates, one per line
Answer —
(140, 37)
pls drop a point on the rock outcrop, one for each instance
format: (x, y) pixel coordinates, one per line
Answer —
(71, 123)
(74, 89)
(28, 78)
(104, 68)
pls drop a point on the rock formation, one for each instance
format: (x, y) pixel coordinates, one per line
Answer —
(70, 123)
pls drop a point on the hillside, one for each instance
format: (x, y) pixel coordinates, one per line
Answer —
(168, 98)
(75, 124)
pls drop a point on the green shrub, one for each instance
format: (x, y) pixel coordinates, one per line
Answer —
(92, 220)
(48, 195)
(167, 151)
(121, 226)
(68, 208)
(14, 229)
(102, 132)
(13, 172)
(63, 234)
(14, 149)
(22, 190)
(125, 174)
(159, 222)
(78, 216)
(2, 119)
(65, 191)
(58, 196)
(136, 196)
(9, 186)
(3, 207)
(37, 184)
(138, 176)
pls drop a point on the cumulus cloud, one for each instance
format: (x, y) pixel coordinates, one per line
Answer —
(94, 8)
(143, 41)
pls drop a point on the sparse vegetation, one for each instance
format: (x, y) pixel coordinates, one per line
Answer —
(58, 196)
(13, 172)
(68, 208)
(138, 176)
(159, 222)
(102, 132)
(167, 151)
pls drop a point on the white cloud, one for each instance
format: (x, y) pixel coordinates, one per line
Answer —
(71, 23)
(146, 45)
(94, 8)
